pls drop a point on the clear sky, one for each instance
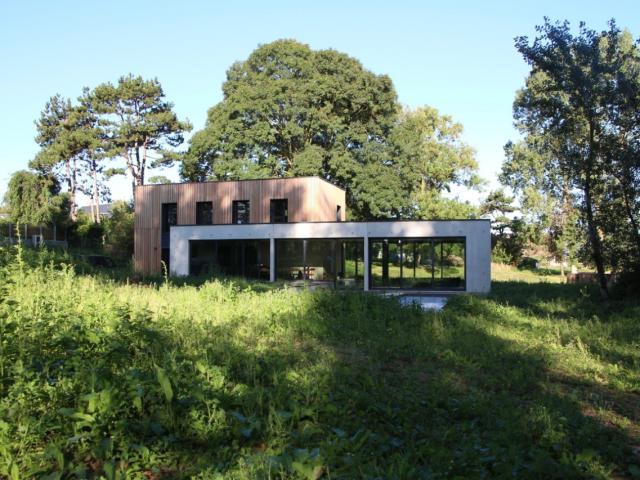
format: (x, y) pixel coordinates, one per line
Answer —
(457, 56)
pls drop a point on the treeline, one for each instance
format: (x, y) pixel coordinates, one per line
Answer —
(288, 110)
(109, 130)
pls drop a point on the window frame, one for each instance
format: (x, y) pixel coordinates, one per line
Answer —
(198, 213)
(165, 226)
(272, 204)
(234, 212)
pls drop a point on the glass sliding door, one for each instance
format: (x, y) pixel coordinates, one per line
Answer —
(350, 257)
(418, 263)
(290, 259)
(320, 260)
(450, 264)
(244, 258)
(338, 261)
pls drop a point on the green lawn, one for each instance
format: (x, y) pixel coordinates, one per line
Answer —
(232, 380)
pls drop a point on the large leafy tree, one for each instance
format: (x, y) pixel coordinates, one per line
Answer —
(73, 145)
(141, 124)
(432, 158)
(289, 110)
(54, 157)
(544, 191)
(580, 105)
(33, 198)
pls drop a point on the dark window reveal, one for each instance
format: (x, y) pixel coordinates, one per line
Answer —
(240, 213)
(169, 216)
(338, 213)
(279, 211)
(204, 213)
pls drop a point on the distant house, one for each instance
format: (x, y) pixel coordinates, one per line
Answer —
(104, 209)
(294, 229)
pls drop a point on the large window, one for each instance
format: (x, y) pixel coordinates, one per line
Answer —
(240, 212)
(204, 213)
(169, 216)
(245, 258)
(418, 263)
(279, 210)
(321, 260)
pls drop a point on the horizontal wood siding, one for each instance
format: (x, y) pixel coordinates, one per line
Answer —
(310, 199)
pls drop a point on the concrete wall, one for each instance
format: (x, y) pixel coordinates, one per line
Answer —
(476, 232)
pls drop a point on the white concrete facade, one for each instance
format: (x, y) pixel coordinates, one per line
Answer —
(476, 233)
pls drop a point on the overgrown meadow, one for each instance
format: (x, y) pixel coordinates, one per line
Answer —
(104, 379)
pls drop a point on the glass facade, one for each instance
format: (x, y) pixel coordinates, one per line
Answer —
(243, 258)
(323, 260)
(429, 263)
(406, 263)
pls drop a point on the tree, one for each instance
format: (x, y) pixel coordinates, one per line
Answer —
(73, 145)
(119, 230)
(53, 155)
(544, 192)
(580, 104)
(140, 122)
(431, 158)
(498, 205)
(289, 111)
(33, 199)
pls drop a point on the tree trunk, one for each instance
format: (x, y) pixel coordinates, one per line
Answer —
(95, 200)
(71, 187)
(594, 239)
(630, 213)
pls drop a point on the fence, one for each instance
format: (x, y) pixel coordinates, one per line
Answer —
(33, 236)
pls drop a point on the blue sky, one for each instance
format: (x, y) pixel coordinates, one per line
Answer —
(457, 56)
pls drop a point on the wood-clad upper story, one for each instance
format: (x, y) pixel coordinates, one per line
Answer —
(309, 199)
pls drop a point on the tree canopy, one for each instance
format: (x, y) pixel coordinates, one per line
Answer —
(33, 199)
(289, 110)
(579, 109)
(139, 121)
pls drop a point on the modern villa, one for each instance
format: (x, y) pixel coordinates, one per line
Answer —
(294, 229)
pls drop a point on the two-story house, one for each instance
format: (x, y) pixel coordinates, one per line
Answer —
(294, 229)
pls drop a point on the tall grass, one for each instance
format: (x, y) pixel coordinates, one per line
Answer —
(100, 378)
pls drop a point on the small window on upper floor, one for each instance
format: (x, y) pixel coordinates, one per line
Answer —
(169, 216)
(279, 210)
(240, 212)
(204, 213)
(339, 213)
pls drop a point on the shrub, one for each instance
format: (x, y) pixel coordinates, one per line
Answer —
(119, 230)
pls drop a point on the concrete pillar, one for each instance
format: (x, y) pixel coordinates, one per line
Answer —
(367, 268)
(272, 259)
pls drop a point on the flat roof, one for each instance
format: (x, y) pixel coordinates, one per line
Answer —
(383, 220)
(241, 180)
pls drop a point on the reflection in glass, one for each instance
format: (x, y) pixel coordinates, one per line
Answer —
(246, 258)
(418, 263)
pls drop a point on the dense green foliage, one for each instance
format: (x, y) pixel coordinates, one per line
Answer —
(289, 111)
(231, 380)
(80, 142)
(119, 230)
(139, 122)
(579, 114)
(547, 204)
(33, 198)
